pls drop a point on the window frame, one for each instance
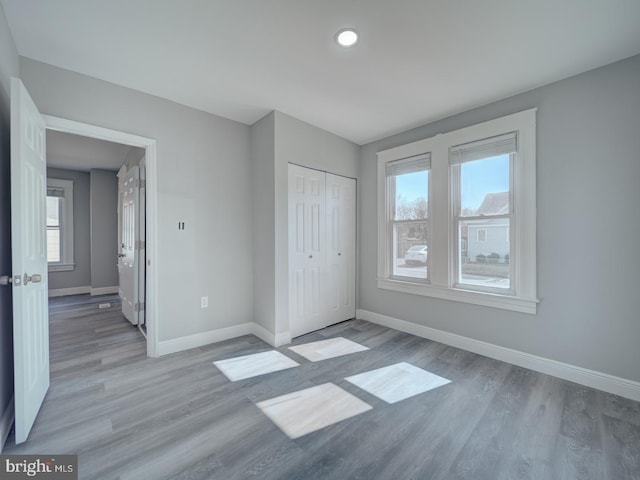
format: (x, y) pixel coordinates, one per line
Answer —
(456, 199)
(391, 223)
(66, 262)
(443, 263)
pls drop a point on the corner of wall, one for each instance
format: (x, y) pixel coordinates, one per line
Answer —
(262, 151)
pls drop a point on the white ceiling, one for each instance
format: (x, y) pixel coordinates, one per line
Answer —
(417, 61)
(74, 152)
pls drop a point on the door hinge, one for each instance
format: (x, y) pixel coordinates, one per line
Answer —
(140, 245)
(141, 183)
(139, 307)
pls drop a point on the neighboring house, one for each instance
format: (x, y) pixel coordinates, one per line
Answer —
(490, 236)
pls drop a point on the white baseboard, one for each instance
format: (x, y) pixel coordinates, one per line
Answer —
(276, 340)
(282, 339)
(205, 338)
(104, 290)
(6, 422)
(63, 292)
(583, 376)
(213, 336)
(263, 334)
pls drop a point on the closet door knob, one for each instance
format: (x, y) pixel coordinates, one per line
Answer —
(339, 253)
(310, 256)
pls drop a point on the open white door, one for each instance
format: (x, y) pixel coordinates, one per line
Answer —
(128, 264)
(28, 244)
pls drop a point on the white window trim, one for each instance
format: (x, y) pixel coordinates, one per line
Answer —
(66, 262)
(442, 248)
(389, 209)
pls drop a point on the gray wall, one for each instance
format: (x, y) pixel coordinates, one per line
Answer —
(304, 144)
(80, 276)
(588, 173)
(8, 68)
(203, 179)
(103, 196)
(262, 180)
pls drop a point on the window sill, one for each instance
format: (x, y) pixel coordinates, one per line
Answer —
(62, 267)
(495, 300)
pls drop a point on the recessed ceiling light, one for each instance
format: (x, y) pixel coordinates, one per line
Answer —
(347, 37)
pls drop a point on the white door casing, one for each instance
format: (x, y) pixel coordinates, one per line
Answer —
(341, 240)
(141, 257)
(322, 234)
(306, 249)
(128, 267)
(29, 259)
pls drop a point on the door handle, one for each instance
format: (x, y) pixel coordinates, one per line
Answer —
(121, 255)
(6, 279)
(35, 278)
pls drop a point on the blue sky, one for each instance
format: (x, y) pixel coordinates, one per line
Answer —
(412, 185)
(481, 177)
(478, 178)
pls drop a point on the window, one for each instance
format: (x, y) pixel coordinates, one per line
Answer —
(408, 216)
(481, 176)
(60, 224)
(54, 205)
(456, 215)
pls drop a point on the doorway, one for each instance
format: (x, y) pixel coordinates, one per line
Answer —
(146, 280)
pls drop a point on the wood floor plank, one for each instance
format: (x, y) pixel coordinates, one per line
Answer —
(531, 452)
(622, 448)
(581, 415)
(577, 461)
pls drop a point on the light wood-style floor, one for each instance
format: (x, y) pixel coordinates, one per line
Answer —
(129, 416)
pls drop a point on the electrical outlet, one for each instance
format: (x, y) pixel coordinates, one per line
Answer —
(204, 302)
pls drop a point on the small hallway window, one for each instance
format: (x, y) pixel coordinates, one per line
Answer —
(59, 224)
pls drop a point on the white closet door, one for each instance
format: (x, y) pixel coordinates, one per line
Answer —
(306, 250)
(341, 240)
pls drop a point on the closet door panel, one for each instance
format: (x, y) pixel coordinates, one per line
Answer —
(306, 250)
(341, 237)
